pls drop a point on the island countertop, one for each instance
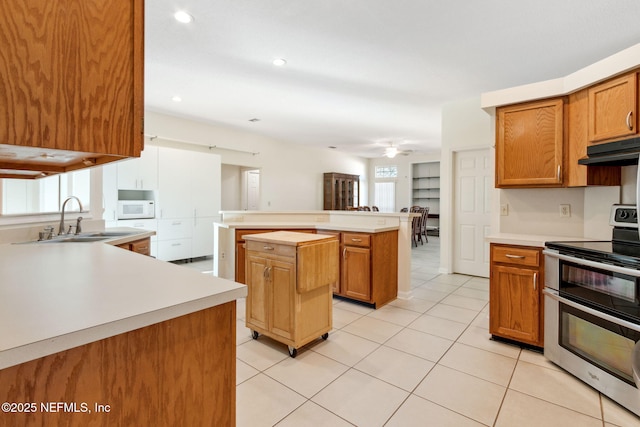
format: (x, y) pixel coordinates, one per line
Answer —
(58, 296)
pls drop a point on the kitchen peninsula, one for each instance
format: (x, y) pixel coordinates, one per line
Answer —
(91, 334)
(369, 228)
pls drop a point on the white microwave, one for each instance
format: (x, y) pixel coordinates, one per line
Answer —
(136, 209)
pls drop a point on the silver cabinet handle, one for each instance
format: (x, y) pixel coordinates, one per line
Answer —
(176, 244)
(344, 253)
(176, 223)
(268, 248)
(629, 124)
(515, 256)
(535, 281)
(559, 173)
(356, 240)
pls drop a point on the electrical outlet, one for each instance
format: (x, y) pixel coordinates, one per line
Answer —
(222, 255)
(504, 210)
(565, 211)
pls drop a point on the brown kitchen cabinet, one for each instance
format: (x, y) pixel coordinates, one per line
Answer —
(613, 108)
(289, 279)
(529, 144)
(72, 85)
(516, 310)
(577, 175)
(141, 246)
(368, 266)
(241, 251)
(341, 191)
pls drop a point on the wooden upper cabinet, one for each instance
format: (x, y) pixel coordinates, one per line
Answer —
(577, 175)
(613, 108)
(529, 144)
(71, 84)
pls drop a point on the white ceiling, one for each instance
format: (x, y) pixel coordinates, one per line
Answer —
(361, 74)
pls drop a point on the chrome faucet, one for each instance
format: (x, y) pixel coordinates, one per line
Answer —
(64, 204)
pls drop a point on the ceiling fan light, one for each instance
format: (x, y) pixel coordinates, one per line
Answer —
(391, 152)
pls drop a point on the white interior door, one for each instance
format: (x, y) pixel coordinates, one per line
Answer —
(253, 190)
(472, 211)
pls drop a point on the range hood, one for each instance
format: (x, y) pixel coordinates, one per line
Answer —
(617, 153)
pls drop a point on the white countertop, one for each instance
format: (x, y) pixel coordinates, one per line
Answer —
(55, 296)
(529, 239)
(309, 225)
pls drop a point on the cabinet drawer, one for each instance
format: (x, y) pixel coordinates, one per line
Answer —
(356, 239)
(174, 229)
(171, 250)
(269, 248)
(516, 255)
(142, 246)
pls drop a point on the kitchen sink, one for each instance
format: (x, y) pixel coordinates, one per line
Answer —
(88, 237)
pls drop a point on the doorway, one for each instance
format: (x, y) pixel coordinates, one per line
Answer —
(252, 189)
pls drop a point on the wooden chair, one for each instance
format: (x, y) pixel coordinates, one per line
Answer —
(423, 223)
(375, 209)
(416, 225)
(366, 208)
(404, 210)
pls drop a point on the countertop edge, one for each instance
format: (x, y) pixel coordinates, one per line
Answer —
(315, 225)
(529, 239)
(18, 355)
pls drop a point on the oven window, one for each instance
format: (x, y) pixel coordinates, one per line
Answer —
(601, 281)
(602, 343)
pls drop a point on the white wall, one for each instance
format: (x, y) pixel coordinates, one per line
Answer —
(290, 174)
(231, 188)
(464, 126)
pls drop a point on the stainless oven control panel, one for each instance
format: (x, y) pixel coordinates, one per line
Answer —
(624, 216)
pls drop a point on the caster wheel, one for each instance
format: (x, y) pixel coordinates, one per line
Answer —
(293, 352)
(325, 336)
(254, 335)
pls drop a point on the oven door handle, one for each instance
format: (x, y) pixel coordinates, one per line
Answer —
(553, 294)
(594, 264)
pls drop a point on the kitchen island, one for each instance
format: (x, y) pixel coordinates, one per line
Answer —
(91, 334)
(228, 253)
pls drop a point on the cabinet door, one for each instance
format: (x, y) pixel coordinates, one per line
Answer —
(72, 79)
(613, 108)
(356, 272)
(529, 144)
(515, 304)
(282, 287)
(148, 169)
(202, 237)
(205, 184)
(256, 280)
(174, 178)
(128, 174)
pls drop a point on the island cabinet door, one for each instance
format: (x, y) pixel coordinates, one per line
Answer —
(282, 286)
(257, 295)
(515, 304)
(356, 272)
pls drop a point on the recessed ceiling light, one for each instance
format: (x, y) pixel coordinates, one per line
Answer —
(182, 16)
(279, 62)
(176, 99)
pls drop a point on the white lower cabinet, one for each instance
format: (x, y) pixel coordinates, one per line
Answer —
(174, 249)
(202, 237)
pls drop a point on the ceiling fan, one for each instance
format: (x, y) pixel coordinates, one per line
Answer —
(392, 150)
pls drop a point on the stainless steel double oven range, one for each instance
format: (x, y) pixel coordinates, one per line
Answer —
(592, 309)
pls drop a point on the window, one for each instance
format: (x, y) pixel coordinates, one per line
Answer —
(45, 195)
(385, 198)
(390, 171)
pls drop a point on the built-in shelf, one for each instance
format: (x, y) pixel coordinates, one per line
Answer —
(426, 192)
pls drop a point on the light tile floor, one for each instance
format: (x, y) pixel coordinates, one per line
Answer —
(428, 361)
